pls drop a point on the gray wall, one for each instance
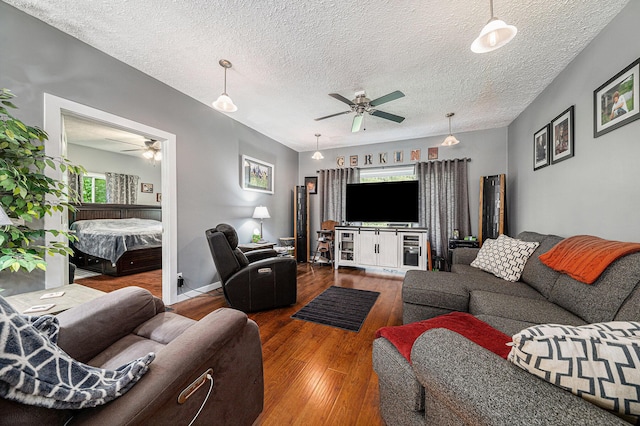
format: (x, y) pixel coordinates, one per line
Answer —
(99, 161)
(596, 192)
(37, 58)
(486, 148)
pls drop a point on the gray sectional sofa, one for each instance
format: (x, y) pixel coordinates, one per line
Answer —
(454, 381)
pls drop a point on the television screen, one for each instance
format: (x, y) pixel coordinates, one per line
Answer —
(395, 202)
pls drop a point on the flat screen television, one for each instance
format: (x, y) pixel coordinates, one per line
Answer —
(391, 202)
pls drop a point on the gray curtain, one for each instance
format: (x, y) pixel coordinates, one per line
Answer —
(75, 182)
(121, 188)
(332, 185)
(444, 201)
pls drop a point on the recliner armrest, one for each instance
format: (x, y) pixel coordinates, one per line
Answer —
(91, 327)
(255, 255)
(477, 386)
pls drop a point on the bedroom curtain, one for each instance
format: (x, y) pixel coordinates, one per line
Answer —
(121, 188)
(444, 201)
(73, 180)
(333, 189)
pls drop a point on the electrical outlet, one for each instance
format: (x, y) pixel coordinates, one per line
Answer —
(179, 274)
(180, 280)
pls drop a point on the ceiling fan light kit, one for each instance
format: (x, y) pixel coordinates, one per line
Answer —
(495, 34)
(224, 102)
(450, 140)
(317, 155)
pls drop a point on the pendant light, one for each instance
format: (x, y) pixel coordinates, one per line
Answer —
(224, 102)
(495, 34)
(317, 155)
(450, 140)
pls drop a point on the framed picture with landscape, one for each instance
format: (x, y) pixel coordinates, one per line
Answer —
(541, 148)
(257, 175)
(614, 103)
(562, 136)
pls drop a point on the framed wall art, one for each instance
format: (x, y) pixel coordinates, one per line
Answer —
(311, 183)
(398, 156)
(415, 155)
(146, 188)
(353, 160)
(562, 136)
(614, 103)
(541, 148)
(257, 175)
(432, 153)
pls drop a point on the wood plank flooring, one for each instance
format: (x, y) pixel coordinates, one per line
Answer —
(314, 374)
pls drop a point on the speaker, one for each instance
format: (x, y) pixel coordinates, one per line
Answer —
(301, 222)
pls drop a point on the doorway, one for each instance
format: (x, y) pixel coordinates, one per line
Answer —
(57, 273)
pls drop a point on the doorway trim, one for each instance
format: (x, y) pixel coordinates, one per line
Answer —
(57, 273)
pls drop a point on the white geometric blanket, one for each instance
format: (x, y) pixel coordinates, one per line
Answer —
(35, 371)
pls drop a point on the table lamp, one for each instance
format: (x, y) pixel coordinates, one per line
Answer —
(5, 220)
(261, 213)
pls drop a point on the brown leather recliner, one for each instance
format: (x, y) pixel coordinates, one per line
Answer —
(252, 281)
(126, 324)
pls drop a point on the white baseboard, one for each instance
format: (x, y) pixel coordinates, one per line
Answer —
(193, 293)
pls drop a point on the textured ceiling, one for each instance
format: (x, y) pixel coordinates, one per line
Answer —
(287, 56)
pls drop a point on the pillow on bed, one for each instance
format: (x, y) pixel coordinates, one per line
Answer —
(504, 257)
(598, 362)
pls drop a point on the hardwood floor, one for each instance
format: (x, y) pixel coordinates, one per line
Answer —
(151, 281)
(316, 374)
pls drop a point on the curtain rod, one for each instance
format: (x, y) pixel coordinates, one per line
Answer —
(399, 165)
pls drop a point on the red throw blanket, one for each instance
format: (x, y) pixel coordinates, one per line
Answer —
(584, 257)
(479, 332)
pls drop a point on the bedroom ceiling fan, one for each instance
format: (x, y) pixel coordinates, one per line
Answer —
(361, 105)
(151, 150)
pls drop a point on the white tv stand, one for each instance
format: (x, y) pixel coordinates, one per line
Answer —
(394, 248)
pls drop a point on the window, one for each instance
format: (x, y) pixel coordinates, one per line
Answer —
(94, 188)
(387, 174)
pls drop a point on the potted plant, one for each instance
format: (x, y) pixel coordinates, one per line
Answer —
(27, 193)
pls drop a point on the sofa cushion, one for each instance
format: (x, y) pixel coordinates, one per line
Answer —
(600, 301)
(506, 325)
(124, 351)
(505, 257)
(164, 327)
(476, 279)
(437, 289)
(599, 362)
(535, 273)
(520, 308)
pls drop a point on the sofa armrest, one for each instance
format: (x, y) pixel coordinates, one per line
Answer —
(225, 341)
(255, 255)
(469, 384)
(464, 255)
(88, 329)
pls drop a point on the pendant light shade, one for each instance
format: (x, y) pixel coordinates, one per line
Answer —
(495, 34)
(224, 102)
(317, 155)
(450, 140)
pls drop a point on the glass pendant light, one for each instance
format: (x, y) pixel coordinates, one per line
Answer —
(495, 34)
(317, 155)
(450, 140)
(224, 102)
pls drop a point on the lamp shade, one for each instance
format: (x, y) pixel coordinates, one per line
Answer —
(225, 104)
(261, 212)
(4, 219)
(493, 36)
(148, 154)
(450, 140)
(317, 155)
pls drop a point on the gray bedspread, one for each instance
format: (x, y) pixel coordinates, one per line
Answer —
(110, 238)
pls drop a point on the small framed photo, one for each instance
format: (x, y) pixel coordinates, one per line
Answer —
(382, 157)
(353, 160)
(398, 156)
(311, 183)
(257, 175)
(159, 197)
(340, 161)
(147, 187)
(562, 136)
(541, 148)
(614, 103)
(415, 155)
(432, 153)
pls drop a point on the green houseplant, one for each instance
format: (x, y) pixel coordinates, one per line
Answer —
(27, 194)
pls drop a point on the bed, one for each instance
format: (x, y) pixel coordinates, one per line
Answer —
(117, 239)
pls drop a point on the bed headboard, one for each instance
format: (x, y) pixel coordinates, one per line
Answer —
(88, 211)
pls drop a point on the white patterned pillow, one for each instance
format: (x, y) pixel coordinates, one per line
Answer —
(504, 257)
(598, 362)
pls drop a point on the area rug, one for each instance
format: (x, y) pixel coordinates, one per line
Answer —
(340, 307)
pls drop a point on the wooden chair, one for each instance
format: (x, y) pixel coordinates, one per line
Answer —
(324, 248)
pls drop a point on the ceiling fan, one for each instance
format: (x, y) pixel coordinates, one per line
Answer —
(151, 150)
(362, 104)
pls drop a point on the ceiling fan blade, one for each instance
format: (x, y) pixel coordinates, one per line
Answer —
(388, 116)
(341, 98)
(333, 115)
(387, 98)
(357, 122)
